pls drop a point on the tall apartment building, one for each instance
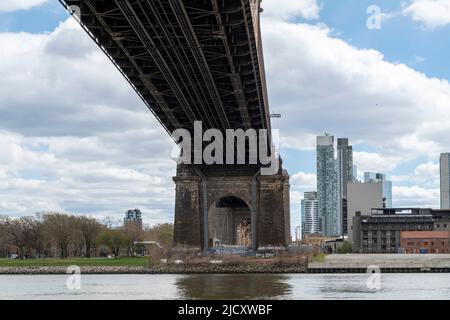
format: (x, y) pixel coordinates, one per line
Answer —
(310, 214)
(445, 180)
(345, 170)
(133, 216)
(372, 177)
(327, 191)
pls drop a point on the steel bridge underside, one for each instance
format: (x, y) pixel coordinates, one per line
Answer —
(189, 60)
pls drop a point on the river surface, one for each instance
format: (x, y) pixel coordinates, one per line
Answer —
(260, 286)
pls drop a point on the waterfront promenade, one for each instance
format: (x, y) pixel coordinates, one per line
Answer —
(386, 262)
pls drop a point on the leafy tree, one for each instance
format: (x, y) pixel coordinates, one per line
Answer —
(113, 239)
(347, 247)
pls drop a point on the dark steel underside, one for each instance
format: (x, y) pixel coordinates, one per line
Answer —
(189, 60)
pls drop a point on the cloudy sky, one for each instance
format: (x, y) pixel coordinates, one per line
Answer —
(74, 137)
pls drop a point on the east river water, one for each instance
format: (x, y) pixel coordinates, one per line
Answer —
(258, 286)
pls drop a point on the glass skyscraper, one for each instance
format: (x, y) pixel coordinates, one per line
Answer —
(327, 187)
(371, 177)
(345, 170)
(445, 180)
(310, 214)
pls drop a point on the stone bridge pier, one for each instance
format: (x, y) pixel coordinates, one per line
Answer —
(225, 205)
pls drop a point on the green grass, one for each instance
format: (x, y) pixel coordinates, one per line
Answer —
(81, 262)
(318, 258)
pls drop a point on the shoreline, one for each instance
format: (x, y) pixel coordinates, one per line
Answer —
(332, 264)
(166, 269)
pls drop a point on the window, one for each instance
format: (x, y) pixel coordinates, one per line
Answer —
(425, 243)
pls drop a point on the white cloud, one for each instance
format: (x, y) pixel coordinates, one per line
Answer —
(289, 9)
(36, 180)
(425, 175)
(74, 135)
(15, 5)
(319, 83)
(415, 197)
(322, 84)
(375, 162)
(304, 181)
(432, 13)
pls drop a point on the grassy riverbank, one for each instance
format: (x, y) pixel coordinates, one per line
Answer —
(82, 262)
(142, 266)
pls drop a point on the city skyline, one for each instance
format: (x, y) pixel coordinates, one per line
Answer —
(315, 205)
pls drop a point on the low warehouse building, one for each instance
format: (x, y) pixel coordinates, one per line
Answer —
(425, 241)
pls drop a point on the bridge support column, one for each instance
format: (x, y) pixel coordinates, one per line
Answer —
(242, 208)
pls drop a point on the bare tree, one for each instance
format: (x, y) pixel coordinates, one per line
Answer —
(110, 222)
(16, 237)
(134, 233)
(161, 233)
(59, 228)
(89, 229)
(4, 236)
(25, 235)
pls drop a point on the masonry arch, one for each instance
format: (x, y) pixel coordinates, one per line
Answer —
(230, 223)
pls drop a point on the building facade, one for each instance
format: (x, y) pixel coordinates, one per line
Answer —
(327, 191)
(344, 175)
(381, 230)
(445, 180)
(134, 215)
(316, 240)
(362, 197)
(310, 214)
(371, 177)
(415, 242)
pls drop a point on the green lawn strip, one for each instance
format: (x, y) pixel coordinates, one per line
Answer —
(81, 262)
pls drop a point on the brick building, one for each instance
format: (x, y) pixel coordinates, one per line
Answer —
(425, 241)
(380, 231)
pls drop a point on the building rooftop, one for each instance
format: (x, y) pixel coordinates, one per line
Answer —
(425, 234)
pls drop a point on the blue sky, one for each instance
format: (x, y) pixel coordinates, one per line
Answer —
(327, 72)
(400, 39)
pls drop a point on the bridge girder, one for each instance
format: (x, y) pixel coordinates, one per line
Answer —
(189, 60)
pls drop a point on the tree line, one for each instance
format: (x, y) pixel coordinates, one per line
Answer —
(63, 235)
